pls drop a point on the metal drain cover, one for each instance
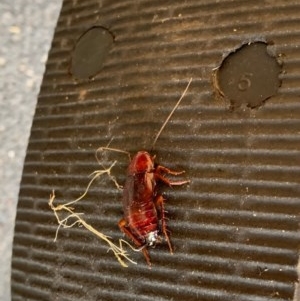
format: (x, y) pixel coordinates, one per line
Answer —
(235, 227)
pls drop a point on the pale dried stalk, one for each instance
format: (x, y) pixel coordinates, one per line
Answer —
(118, 251)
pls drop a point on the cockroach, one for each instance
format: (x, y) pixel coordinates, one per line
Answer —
(144, 219)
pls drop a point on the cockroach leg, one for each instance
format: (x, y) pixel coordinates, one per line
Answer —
(123, 227)
(163, 169)
(159, 177)
(160, 204)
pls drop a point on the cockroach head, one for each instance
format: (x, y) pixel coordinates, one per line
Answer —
(141, 162)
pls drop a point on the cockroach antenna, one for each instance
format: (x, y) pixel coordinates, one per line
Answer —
(170, 115)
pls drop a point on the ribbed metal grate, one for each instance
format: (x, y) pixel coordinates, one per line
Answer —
(235, 227)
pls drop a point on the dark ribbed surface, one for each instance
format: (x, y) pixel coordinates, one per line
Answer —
(235, 227)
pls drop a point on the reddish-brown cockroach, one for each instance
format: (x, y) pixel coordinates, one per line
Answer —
(144, 219)
(143, 206)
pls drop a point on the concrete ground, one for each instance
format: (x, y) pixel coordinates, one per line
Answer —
(26, 31)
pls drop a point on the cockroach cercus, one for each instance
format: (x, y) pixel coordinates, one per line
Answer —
(144, 220)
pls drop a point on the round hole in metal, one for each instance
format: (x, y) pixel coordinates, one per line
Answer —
(90, 52)
(249, 76)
